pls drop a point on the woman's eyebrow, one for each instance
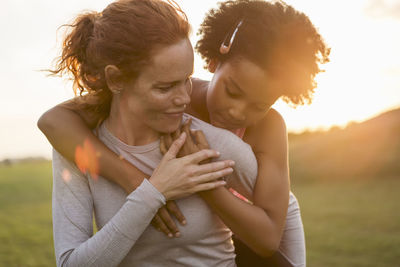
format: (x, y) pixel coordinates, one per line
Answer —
(172, 82)
(166, 82)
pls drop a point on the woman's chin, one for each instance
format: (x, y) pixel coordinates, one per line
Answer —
(170, 126)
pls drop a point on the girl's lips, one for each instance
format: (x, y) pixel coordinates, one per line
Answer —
(222, 123)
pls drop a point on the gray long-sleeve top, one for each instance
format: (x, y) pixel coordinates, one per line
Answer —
(125, 237)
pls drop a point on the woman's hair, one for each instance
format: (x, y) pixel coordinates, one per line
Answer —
(125, 34)
(274, 36)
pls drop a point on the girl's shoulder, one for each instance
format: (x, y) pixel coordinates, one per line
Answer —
(271, 125)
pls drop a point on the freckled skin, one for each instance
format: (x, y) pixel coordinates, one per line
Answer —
(154, 102)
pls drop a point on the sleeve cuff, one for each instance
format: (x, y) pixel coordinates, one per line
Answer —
(148, 193)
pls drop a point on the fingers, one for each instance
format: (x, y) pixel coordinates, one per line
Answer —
(163, 147)
(168, 140)
(201, 140)
(186, 125)
(212, 176)
(174, 210)
(214, 167)
(175, 147)
(176, 134)
(158, 223)
(169, 223)
(208, 186)
(202, 155)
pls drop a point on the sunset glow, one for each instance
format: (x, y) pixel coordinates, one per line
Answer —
(361, 81)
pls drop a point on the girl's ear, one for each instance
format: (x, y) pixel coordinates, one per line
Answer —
(113, 79)
(212, 65)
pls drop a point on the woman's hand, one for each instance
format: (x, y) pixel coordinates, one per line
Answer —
(195, 141)
(179, 177)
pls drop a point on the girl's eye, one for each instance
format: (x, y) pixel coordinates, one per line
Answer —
(230, 93)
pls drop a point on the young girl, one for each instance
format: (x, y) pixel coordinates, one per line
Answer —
(258, 52)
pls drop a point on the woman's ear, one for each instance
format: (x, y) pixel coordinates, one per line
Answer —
(212, 65)
(113, 79)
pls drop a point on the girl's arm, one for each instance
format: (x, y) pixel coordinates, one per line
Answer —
(67, 129)
(260, 225)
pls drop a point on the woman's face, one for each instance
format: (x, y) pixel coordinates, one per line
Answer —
(240, 94)
(156, 100)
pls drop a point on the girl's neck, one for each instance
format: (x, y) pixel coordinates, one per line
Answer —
(198, 104)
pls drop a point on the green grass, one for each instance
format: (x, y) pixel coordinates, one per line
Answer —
(25, 215)
(347, 222)
(351, 223)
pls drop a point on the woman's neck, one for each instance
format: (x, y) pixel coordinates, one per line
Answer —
(130, 130)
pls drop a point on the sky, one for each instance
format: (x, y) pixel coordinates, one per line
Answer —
(361, 81)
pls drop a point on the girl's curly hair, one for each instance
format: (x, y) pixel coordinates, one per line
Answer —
(274, 36)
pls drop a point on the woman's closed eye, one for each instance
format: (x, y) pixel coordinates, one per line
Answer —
(165, 88)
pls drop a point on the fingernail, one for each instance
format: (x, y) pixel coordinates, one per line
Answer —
(231, 163)
(184, 222)
(177, 234)
(218, 153)
(170, 235)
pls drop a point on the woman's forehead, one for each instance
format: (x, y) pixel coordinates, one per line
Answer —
(171, 62)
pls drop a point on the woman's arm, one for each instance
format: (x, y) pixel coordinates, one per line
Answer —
(74, 241)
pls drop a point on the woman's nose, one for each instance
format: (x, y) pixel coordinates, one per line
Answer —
(183, 94)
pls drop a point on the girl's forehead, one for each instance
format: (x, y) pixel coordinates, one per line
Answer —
(251, 80)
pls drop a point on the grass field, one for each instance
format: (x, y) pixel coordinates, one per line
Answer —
(347, 222)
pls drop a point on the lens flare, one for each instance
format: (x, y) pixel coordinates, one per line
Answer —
(86, 159)
(66, 175)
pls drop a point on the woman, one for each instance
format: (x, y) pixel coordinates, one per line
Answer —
(253, 48)
(121, 73)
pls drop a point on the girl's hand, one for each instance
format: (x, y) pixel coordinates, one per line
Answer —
(181, 177)
(163, 222)
(195, 140)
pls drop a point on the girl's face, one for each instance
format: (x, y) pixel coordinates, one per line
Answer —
(240, 94)
(156, 100)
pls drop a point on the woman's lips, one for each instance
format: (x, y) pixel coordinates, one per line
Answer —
(174, 114)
